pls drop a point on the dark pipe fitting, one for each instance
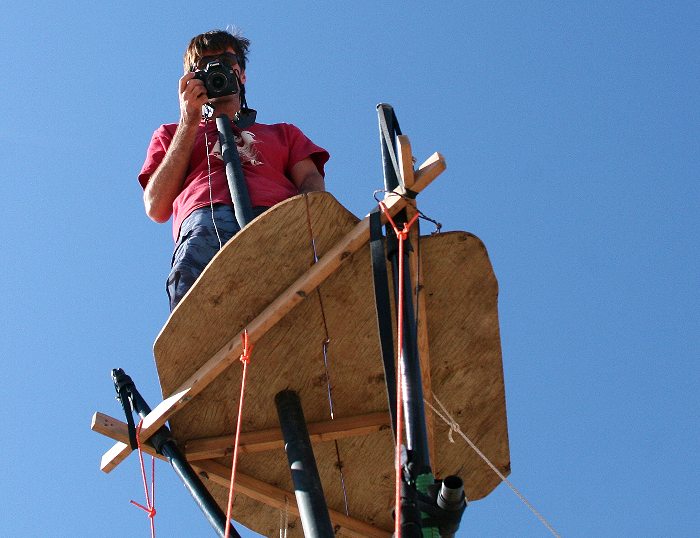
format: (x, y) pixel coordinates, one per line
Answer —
(451, 496)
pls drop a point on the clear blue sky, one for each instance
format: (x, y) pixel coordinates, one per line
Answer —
(570, 131)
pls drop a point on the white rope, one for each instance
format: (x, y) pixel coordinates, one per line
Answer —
(454, 427)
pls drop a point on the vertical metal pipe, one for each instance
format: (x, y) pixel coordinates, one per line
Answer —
(386, 121)
(414, 411)
(201, 496)
(242, 207)
(307, 484)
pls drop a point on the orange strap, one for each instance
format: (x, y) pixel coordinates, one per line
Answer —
(245, 359)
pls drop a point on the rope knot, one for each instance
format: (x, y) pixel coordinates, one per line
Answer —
(454, 428)
(150, 510)
(402, 235)
(247, 348)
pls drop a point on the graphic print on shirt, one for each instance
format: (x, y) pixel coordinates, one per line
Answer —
(246, 148)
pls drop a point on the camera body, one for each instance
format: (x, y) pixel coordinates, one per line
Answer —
(219, 79)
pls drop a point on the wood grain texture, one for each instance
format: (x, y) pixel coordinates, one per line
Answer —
(460, 293)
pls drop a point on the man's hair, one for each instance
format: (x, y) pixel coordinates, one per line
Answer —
(215, 41)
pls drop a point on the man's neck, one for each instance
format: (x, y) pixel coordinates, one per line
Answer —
(226, 106)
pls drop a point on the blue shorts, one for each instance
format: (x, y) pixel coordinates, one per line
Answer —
(197, 244)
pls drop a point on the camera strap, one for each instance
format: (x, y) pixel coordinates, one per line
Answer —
(246, 116)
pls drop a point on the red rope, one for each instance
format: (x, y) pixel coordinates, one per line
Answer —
(245, 359)
(150, 498)
(402, 235)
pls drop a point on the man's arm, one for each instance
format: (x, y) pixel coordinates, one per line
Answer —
(306, 176)
(166, 182)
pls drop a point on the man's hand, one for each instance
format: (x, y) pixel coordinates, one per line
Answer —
(193, 95)
(166, 182)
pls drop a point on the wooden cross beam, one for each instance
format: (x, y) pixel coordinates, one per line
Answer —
(256, 441)
(252, 487)
(259, 441)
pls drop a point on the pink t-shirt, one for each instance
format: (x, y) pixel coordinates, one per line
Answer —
(268, 153)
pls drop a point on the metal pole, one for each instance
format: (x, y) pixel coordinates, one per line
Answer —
(420, 499)
(307, 484)
(416, 429)
(242, 207)
(414, 410)
(164, 445)
(387, 129)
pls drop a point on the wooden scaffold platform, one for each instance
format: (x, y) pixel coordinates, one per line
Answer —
(298, 279)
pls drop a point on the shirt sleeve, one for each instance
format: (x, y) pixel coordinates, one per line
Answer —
(160, 141)
(301, 147)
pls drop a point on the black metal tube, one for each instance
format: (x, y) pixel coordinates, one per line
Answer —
(382, 303)
(164, 445)
(307, 484)
(209, 507)
(450, 505)
(451, 495)
(242, 206)
(414, 411)
(410, 514)
(387, 128)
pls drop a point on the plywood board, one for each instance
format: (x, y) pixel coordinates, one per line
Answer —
(261, 262)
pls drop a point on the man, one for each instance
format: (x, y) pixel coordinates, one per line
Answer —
(184, 175)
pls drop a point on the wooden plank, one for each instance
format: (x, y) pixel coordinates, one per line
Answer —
(117, 430)
(259, 441)
(461, 296)
(246, 485)
(460, 292)
(405, 158)
(281, 306)
(432, 167)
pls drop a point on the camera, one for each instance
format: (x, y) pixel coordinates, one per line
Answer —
(219, 79)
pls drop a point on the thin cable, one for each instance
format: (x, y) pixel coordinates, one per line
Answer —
(284, 518)
(211, 196)
(438, 225)
(342, 477)
(454, 427)
(326, 343)
(328, 375)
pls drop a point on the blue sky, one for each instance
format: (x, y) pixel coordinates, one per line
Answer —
(570, 131)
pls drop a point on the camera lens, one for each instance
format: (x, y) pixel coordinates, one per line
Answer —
(217, 81)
